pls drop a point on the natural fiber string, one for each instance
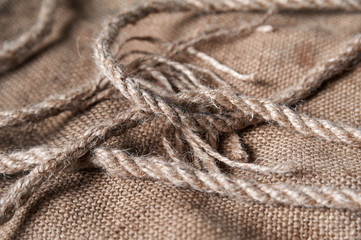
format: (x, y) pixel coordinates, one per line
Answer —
(114, 74)
(219, 66)
(346, 5)
(128, 89)
(14, 52)
(302, 89)
(320, 73)
(76, 100)
(25, 186)
(27, 160)
(213, 181)
(265, 110)
(118, 163)
(186, 44)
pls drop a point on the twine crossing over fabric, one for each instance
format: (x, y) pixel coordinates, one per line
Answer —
(191, 107)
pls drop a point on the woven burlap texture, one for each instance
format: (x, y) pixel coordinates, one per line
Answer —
(90, 204)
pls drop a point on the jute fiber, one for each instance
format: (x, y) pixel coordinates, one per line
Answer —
(180, 119)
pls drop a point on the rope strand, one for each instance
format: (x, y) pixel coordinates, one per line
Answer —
(14, 52)
(118, 163)
(196, 110)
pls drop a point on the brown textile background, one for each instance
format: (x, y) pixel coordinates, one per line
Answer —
(90, 204)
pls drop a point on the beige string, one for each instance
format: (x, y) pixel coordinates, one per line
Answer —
(119, 163)
(25, 186)
(189, 112)
(248, 5)
(321, 72)
(76, 100)
(186, 44)
(219, 66)
(14, 52)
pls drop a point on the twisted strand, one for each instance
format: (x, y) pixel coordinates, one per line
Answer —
(266, 110)
(106, 61)
(14, 52)
(25, 186)
(161, 78)
(246, 5)
(11, 163)
(187, 44)
(185, 124)
(304, 88)
(185, 79)
(225, 100)
(203, 56)
(321, 72)
(118, 163)
(26, 160)
(219, 66)
(197, 143)
(76, 100)
(238, 152)
(147, 85)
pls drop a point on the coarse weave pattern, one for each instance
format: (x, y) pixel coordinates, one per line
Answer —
(91, 204)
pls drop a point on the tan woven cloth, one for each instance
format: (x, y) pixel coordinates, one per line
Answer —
(89, 204)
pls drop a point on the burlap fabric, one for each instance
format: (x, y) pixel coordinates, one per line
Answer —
(89, 204)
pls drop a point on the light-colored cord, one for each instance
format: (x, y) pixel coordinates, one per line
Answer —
(200, 108)
(13, 53)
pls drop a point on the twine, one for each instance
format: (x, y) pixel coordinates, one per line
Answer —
(14, 52)
(190, 107)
